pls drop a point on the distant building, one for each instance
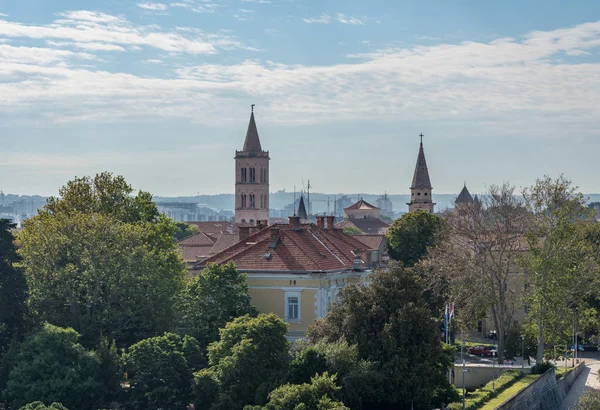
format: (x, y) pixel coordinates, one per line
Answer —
(420, 189)
(385, 204)
(342, 203)
(251, 179)
(365, 217)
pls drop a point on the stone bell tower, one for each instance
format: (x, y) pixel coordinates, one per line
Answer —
(251, 179)
(420, 189)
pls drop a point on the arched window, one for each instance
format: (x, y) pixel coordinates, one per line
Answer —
(252, 175)
(252, 203)
(244, 174)
(262, 200)
(243, 200)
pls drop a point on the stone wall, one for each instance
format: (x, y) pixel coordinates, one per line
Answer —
(546, 393)
(478, 375)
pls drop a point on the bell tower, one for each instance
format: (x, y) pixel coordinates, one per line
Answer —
(251, 179)
(420, 189)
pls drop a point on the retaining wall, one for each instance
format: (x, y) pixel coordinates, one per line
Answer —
(478, 375)
(546, 393)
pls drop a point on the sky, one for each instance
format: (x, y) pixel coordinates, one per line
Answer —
(160, 92)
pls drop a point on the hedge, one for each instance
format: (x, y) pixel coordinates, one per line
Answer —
(480, 396)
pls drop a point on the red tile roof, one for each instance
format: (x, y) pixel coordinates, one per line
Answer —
(214, 229)
(195, 246)
(310, 249)
(371, 241)
(367, 225)
(225, 241)
(361, 204)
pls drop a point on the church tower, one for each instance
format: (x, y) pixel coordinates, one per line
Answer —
(251, 179)
(420, 190)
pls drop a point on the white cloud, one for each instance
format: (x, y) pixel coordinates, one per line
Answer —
(342, 18)
(3, 15)
(87, 27)
(153, 61)
(153, 6)
(38, 55)
(525, 81)
(323, 18)
(257, 1)
(86, 46)
(202, 7)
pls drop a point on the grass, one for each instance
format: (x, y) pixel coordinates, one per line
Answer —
(511, 391)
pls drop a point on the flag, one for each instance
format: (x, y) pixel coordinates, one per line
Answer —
(446, 324)
(452, 312)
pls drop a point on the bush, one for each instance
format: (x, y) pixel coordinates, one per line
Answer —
(540, 368)
(476, 399)
(589, 401)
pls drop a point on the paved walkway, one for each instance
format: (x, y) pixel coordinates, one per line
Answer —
(588, 379)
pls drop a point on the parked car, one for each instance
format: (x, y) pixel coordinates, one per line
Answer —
(590, 347)
(579, 347)
(487, 351)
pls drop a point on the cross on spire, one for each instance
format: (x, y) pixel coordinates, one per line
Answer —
(421, 135)
(252, 107)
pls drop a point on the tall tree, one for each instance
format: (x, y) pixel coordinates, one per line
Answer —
(12, 287)
(479, 261)
(101, 267)
(211, 299)
(392, 327)
(53, 367)
(249, 360)
(160, 372)
(561, 255)
(411, 235)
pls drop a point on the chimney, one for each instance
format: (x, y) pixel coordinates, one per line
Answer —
(260, 224)
(321, 221)
(274, 237)
(330, 223)
(244, 232)
(357, 262)
(295, 223)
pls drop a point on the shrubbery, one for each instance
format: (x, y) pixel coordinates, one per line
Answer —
(476, 399)
(542, 367)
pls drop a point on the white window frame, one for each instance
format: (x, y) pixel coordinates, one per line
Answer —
(287, 296)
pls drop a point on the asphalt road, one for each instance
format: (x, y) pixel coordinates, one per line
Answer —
(588, 379)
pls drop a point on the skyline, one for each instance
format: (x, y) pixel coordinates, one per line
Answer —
(342, 91)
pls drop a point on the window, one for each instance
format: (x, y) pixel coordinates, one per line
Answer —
(243, 200)
(252, 203)
(292, 306)
(252, 175)
(244, 174)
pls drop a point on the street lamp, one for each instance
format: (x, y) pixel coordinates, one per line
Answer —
(522, 352)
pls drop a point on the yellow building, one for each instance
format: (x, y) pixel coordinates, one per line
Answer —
(296, 270)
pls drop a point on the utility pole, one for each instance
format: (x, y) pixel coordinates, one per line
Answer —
(464, 371)
(522, 352)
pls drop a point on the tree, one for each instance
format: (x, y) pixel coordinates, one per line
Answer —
(319, 394)
(560, 260)
(160, 371)
(101, 267)
(410, 236)
(183, 230)
(248, 361)
(211, 299)
(53, 367)
(13, 288)
(38, 405)
(392, 327)
(590, 400)
(352, 230)
(478, 264)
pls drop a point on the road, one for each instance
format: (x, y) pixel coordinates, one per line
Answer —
(588, 379)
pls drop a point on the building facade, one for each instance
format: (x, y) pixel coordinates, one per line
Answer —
(251, 179)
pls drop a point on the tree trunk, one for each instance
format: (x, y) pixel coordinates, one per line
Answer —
(540, 349)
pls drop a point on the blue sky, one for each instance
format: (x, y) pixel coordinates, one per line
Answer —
(160, 92)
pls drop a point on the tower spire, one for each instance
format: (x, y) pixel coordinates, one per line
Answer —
(420, 189)
(252, 142)
(421, 175)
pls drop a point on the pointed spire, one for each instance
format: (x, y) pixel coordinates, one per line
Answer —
(252, 143)
(464, 197)
(421, 176)
(302, 209)
(476, 200)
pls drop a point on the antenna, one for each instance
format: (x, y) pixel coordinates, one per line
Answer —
(294, 203)
(308, 196)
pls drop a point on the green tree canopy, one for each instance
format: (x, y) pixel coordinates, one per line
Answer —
(319, 394)
(392, 327)
(211, 299)
(160, 372)
(183, 230)
(38, 405)
(410, 236)
(53, 367)
(104, 194)
(102, 268)
(352, 230)
(248, 361)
